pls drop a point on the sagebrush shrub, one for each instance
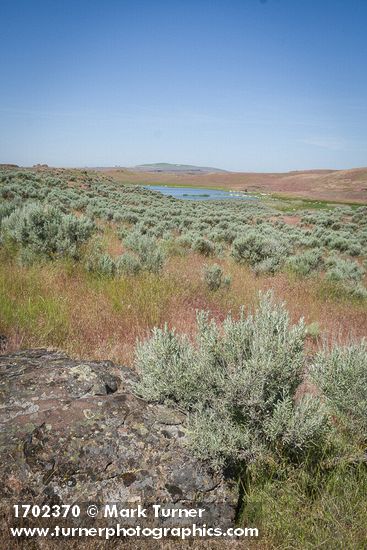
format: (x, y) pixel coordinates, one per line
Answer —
(203, 246)
(343, 270)
(105, 265)
(232, 381)
(150, 254)
(46, 230)
(269, 265)
(128, 264)
(265, 252)
(99, 262)
(298, 429)
(5, 210)
(348, 275)
(341, 374)
(214, 277)
(306, 263)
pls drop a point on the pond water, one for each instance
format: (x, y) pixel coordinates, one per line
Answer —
(198, 194)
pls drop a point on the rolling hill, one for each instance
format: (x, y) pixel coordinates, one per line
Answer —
(329, 185)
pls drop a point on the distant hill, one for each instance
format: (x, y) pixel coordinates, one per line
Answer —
(330, 185)
(167, 167)
(10, 166)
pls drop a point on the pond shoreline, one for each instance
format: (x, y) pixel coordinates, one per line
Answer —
(199, 193)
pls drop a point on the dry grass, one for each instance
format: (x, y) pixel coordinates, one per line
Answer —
(110, 241)
(60, 305)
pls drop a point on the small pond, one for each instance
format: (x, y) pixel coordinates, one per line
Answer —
(197, 194)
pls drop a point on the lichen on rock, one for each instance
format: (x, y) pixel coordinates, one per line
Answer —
(74, 431)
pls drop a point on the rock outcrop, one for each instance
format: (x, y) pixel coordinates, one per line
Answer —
(73, 431)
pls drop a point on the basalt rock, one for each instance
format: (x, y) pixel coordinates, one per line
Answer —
(74, 432)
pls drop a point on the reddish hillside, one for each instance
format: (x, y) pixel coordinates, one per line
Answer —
(338, 185)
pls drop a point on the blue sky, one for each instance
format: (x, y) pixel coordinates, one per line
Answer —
(239, 84)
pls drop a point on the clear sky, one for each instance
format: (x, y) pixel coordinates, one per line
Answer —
(248, 85)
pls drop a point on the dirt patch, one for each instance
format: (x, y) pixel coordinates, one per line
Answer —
(291, 220)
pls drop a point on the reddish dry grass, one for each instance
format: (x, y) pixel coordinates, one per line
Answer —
(291, 220)
(104, 318)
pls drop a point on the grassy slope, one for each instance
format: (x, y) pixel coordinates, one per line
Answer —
(60, 305)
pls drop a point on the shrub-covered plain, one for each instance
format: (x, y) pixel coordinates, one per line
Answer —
(91, 266)
(330, 244)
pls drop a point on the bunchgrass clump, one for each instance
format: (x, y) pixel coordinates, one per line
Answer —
(301, 507)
